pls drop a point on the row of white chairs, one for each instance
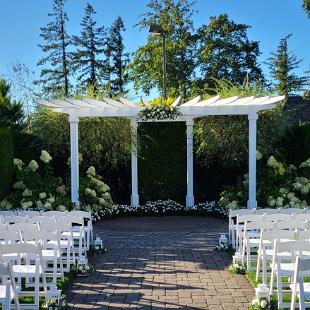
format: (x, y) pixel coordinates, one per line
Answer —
(37, 246)
(237, 218)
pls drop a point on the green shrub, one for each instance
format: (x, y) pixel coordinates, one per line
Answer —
(6, 159)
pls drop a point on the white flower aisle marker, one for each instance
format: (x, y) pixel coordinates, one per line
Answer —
(223, 244)
(83, 268)
(98, 247)
(262, 299)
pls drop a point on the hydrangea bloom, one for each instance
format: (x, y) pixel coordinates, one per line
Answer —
(18, 163)
(258, 155)
(33, 165)
(61, 208)
(91, 171)
(272, 162)
(27, 192)
(5, 205)
(42, 195)
(45, 157)
(19, 185)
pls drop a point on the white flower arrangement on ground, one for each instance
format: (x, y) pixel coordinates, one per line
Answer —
(259, 304)
(54, 304)
(237, 268)
(83, 269)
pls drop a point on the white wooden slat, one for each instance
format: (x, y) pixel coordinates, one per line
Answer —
(176, 102)
(243, 101)
(79, 103)
(191, 102)
(128, 102)
(62, 103)
(223, 102)
(207, 101)
(114, 103)
(47, 103)
(97, 103)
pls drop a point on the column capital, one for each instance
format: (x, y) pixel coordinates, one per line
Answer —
(73, 118)
(189, 122)
(133, 122)
(253, 116)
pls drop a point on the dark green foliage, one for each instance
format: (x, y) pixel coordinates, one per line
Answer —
(90, 46)
(162, 161)
(175, 17)
(282, 64)
(224, 51)
(11, 113)
(55, 76)
(6, 166)
(296, 144)
(117, 58)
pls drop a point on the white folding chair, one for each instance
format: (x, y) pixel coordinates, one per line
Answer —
(7, 213)
(30, 267)
(302, 217)
(241, 219)
(232, 220)
(266, 249)
(285, 268)
(88, 227)
(8, 290)
(51, 255)
(55, 213)
(250, 240)
(23, 226)
(299, 288)
(77, 232)
(66, 242)
(277, 217)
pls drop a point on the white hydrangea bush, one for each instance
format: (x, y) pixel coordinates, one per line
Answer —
(278, 186)
(36, 187)
(94, 193)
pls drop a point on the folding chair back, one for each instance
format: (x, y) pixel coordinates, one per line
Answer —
(29, 213)
(292, 224)
(277, 217)
(55, 213)
(291, 211)
(9, 286)
(15, 219)
(42, 220)
(23, 226)
(266, 211)
(304, 235)
(302, 216)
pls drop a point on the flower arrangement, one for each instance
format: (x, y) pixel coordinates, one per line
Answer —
(258, 304)
(237, 268)
(223, 244)
(83, 269)
(159, 112)
(54, 304)
(162, 208)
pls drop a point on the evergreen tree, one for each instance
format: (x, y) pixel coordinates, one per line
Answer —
(90, 46)
(175, 18)
(11, 112)
(224, 51)
(282, 64)
(306, 6)
(118, 59)
(55, 77)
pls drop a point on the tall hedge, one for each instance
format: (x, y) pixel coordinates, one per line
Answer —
(162, 161)
(6, 160)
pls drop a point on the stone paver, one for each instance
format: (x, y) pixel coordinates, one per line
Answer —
(161, 263)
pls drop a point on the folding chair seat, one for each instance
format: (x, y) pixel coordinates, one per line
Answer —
(8, 289)
(30, 267)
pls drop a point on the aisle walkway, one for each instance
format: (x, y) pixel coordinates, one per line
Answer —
(161, 263)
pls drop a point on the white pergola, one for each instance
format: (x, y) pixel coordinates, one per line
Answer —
(190, 110)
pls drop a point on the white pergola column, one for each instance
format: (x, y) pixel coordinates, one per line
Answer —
(134, 164)
(74, 159)
(252, 160)
(189, 161)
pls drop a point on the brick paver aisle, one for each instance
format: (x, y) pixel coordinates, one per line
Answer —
(161, 263)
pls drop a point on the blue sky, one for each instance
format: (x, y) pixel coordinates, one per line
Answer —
(270, 21)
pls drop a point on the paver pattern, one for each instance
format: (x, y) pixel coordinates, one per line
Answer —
(161, 263)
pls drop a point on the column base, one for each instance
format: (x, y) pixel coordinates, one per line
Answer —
(252, 204)
(190, 201)
(134, 200)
